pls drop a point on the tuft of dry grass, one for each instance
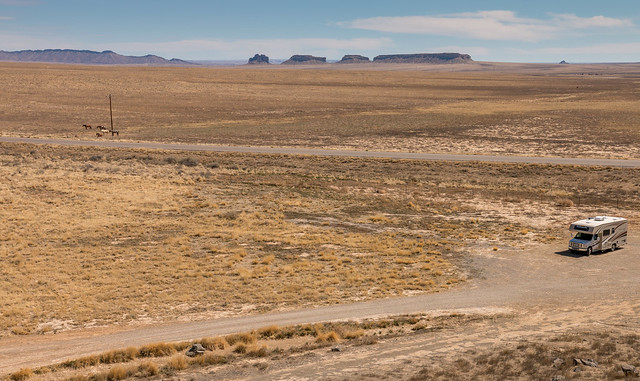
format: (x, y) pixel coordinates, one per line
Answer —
(21, 375)
(328, 337)
(177, 362)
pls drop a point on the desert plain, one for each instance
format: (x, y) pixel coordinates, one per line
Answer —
(97, 242)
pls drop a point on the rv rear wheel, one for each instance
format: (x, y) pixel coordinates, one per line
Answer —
(614, 247)
(588, 251)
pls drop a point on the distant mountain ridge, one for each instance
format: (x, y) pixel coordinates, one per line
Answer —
(89, 57)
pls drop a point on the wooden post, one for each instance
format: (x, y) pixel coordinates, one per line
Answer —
(110, 112)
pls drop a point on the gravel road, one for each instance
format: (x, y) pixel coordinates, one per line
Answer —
(327, 152)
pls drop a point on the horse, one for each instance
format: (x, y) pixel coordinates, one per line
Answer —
(98, 134)
(86, 126)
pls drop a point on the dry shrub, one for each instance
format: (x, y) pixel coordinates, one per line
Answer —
(240, 349)
(269, 331)
(178, 362)
(246, 338)
(564, 203)
(80, 377)
(257, 351)
(349, 334)
(213, 343)
(156, 350)
(82, 362)
(147, 369)
(209, 359)
(326, 338)
(117, 356)
(118, 372)
(22, 374)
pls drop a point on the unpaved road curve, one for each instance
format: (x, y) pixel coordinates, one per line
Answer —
(326, 152)
(545, 280)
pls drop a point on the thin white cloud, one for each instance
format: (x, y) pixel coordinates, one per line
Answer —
(576, 22)
(498, 25)
(5, 18)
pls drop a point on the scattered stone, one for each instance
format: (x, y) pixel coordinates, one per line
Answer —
(629, 370)
(557, 363)
(259, 59)
(557, 378)
(354, 58)
(305, 59)
(195, 350)
(585, 362)
(336, 349)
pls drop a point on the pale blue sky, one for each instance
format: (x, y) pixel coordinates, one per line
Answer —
(490, 30)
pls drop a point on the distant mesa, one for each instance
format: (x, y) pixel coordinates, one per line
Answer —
(354, 58)
(88, 57)
(259, 59)
(563, 62)
(305, 60)
(422, 58)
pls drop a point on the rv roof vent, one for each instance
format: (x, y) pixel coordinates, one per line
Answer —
(599, 218)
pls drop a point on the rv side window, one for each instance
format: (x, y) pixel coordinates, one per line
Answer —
(605, 232)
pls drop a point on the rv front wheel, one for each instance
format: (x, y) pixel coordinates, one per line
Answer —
(588, 251)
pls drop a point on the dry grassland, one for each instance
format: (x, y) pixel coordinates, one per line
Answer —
(98, 237)
(577, 111)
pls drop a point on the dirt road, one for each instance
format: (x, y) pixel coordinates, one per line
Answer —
(327, 152)
(548, 287)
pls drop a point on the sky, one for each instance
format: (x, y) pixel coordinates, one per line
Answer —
(488, 30)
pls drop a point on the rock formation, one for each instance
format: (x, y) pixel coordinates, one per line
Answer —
(259, 59)
(87, 57)
(305, 60)
(354, 58)
(424, 58)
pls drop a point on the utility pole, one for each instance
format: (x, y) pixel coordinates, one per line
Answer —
(110, 112)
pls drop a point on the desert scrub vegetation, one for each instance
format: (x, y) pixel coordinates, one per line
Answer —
(540, 358)
(94, 236)
(268, 343)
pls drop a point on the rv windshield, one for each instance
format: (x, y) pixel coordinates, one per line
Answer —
(584, 236)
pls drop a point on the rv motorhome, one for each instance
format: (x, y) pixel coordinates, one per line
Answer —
(598, 234)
